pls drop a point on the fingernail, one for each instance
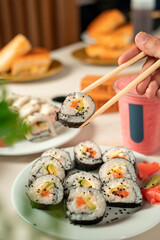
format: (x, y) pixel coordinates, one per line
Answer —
(142, 37)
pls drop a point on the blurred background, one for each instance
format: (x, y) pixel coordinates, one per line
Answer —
(56, 23)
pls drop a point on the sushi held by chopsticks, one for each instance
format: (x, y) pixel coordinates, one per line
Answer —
(76, 109)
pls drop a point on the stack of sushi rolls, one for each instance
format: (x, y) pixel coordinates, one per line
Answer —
(80, 179)
(76, 109)
(87, 156)
(62, 156)
(38, 113)
(119, 178)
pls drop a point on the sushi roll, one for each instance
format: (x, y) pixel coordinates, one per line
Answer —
(28, 109)
(45, 191)
(122, 192)
(85, 206)
(75, 110)
(119, 152)
(87, 156)
(46, 166)
(81, 179)
(62, 156)
(41, 127)
(19, 102)
(116, 168)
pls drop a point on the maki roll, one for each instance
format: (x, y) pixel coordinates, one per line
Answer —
(87, 156)
(81, 179)
(45, 191)
(62, 156)
(76, 109)
(85, 206)
(116, 168)
(122, 192)
(41, 127)
(119, 152)
(46, 166)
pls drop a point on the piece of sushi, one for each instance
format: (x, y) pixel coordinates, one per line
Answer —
(85, 206)
(19, 102)
(46, 166)
(45, 191)
(28, 109)
(119, 152)
(87, 156)
(41, 127)
(122, 192)
(76, 109)
(80, 179)
(62, 156)
(116, 168)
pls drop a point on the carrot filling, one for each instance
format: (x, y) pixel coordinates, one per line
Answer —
(80, 201)
(118, 174)
(46, 189)
(77, 104)
(91, 151)
(120, 192)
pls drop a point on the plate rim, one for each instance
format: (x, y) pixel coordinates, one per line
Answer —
(125, 236)
(51, 71)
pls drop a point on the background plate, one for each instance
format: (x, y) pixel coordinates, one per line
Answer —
(55, 67)
(81, 55)
(58, 226)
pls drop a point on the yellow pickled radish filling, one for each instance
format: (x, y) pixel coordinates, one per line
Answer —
(117, 155)
(51, 169)
(84, 183)
(120, 191)
(80, 201)
(77, 104)
(45, 192)
(40, 126)
(116, 173)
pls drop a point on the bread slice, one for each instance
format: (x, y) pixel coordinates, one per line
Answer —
(35, 63)
(106, 22)
(18, 46)
(118, 38)
(103, 52)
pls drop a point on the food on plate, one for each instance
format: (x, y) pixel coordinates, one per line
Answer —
(46, 166)
(152, 195)
(36, 62)
(17, 47)
(37, 113)
(122, 192)
(87, 156)
(119, 152)
(46, 191)
(147, 169)
(118, 38)
(86, 194)
(104, 52)
(75, 110)
(62, 156)
(106, 22)
(80, 179)
(153, 182)
(85, 206)
(116, 168)
(41, 127)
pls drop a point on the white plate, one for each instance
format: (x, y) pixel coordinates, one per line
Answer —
(144, 219)
(26, 147)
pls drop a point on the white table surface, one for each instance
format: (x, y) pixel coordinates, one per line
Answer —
(105, 130)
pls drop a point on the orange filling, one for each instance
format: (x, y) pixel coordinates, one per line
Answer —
(45, 193)
(80, 201)
(118, 174)
(91, 151)
(74, 104)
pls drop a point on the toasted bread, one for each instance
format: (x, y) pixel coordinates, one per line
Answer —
(106, 22)
(18, 46)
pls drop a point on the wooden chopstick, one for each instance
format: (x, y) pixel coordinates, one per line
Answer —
(114, 72)
(123, 92)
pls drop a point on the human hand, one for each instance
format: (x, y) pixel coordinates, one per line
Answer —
(145, 42)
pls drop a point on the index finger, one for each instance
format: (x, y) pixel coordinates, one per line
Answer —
(130, 53)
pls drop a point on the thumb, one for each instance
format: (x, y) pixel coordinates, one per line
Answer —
(148, 44)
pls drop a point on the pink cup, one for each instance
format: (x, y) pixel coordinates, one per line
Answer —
(140, 119)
